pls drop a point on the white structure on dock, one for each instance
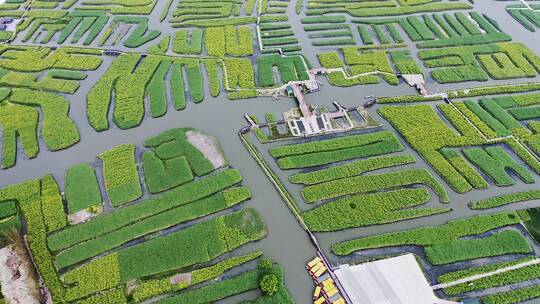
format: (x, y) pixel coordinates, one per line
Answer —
(312, 123)
(397, 280)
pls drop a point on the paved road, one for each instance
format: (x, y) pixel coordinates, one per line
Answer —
(487, 274)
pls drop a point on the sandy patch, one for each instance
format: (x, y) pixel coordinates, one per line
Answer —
(208, 147)
(18, 285)
(83, 216)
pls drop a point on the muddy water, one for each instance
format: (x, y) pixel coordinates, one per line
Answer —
(286, 242)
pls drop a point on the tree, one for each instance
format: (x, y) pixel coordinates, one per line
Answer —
(269, 284)
(265, 264)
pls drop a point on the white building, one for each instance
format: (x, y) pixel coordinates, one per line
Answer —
(397, 280)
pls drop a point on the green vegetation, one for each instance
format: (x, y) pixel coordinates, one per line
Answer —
(465, 273)
(82, 188)
(513, 296)
(505, 242)
(427, 236)
(428, 134)
(169, 218)
(505, 199)
(500, 279)
(120, 174)
(154, 287)
(322, 152)
(369, 209)
(188, 42)
(106, 223)
(350, 169)
(219, 235)
(368, 183)
(495, 162)
(290, 68)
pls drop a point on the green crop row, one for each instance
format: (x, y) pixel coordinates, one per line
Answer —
(240, 78)
(512, 276)
(469, 272)
(505, 199)
(169, 218)
(201, 243)
(334, 144)
(369, 209)
(430, 235)
(404, 63)
(495, 162)
(161, 47)
(505, 242)
(107, 223)
(120, 174)
(350, 169)
(368, 183)
(52, 206)
(32, 59)
(466, 63)
(488, 124)
(150, 288)
(91, 22)
(18, 118)
(513, 296)
(161, 175)
(82, 188)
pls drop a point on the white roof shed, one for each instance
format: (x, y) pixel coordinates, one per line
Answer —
(397, 280)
